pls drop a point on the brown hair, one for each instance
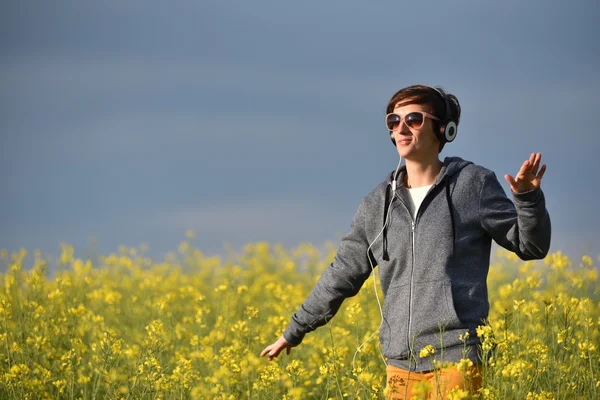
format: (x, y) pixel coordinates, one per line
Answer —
(421, 94)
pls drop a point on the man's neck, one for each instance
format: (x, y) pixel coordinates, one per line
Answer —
(422, 173)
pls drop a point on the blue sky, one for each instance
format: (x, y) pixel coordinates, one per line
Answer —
(132, 122)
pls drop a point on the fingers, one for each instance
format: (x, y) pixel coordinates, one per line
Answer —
(541, 173)
(530, 165)
(536, 163)
(511, 181)
(538, 160)
(274, 350)
(528, 177)
(265, 351)
(274, 353)
(524, 169)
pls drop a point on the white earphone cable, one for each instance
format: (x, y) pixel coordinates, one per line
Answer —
(373, 270)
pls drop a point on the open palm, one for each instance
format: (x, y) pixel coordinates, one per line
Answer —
(529, 176)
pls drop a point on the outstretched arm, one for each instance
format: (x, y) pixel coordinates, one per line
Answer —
(342, 279)
(523, 226)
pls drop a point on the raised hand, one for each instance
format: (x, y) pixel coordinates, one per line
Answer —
(528, 178)
(274, 349)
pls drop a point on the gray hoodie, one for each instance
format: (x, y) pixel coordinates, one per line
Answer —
(432, 270)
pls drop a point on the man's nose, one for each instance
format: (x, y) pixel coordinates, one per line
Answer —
(403, 129)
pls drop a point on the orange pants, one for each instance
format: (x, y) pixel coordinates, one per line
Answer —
(431, 385)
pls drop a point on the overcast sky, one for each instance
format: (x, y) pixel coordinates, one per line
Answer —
(134, 121)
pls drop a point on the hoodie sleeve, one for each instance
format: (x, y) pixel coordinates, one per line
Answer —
(523, 226)
(343, 278)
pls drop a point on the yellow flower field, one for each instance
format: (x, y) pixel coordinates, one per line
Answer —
(192, 326)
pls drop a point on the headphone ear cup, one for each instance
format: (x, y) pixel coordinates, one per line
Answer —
(392, 138)
(450, 131)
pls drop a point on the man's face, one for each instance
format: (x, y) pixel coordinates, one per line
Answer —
(415, 143)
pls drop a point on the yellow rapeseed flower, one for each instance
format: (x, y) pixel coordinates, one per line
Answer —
(60, 385)
(251, 312)
(558, 261)
(464, 365)
(591, 274)
(540, 396)
(458, 394)
(427, 351)
(518, 304)
(421, 390)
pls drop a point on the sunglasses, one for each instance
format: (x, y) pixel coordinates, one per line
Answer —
(413, 120)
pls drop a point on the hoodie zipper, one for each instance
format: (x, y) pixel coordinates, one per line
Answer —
(412, 267)
(412, 234)
(410, 300)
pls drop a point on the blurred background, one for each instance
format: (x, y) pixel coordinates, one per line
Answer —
(133, 122)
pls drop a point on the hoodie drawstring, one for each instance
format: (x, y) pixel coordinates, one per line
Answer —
(386, 256)
(449, 200)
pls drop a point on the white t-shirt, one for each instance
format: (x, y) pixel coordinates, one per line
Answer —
(416, 196)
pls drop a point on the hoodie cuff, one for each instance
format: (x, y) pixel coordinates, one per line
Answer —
(531, 196)
(293, 335)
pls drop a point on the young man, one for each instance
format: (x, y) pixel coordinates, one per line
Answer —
(429, 228)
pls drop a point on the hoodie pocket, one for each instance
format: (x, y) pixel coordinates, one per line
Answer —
(430, 314)
(453, 319)
(434, 319)
(394, 328)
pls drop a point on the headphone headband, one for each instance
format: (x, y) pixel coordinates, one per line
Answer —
(447, 111)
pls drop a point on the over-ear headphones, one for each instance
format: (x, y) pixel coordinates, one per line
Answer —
(448, 126)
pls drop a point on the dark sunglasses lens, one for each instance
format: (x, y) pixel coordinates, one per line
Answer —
(414, 120)
(392, 121)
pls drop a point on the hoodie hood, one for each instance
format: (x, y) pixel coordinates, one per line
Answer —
(451, 166)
